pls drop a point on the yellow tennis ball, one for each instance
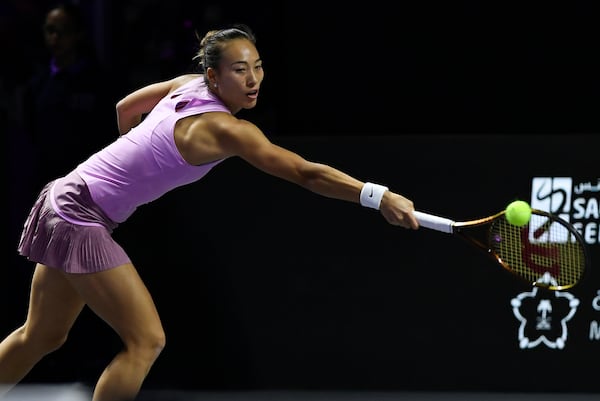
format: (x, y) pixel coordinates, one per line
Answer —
(518, 213)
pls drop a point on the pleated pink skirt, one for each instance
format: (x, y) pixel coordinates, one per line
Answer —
(76, 240)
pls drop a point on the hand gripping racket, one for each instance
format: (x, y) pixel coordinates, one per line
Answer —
(548, 252)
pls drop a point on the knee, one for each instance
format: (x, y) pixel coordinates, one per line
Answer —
(54, 341)
(46, 342)
(158, 342)
(158, 339)
(149, 345)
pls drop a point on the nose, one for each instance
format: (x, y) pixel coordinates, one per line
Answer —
(255, 77)
(54, 33)
(252, 79)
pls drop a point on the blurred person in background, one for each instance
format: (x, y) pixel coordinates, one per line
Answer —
(70, 89)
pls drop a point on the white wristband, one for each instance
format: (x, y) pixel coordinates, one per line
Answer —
(371, 194)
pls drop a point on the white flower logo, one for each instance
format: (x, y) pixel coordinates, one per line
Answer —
(548, 333)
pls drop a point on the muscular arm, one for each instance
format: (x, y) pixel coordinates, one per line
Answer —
(248, 142)
(132, 107)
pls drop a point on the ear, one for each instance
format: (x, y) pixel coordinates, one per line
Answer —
(212, 76)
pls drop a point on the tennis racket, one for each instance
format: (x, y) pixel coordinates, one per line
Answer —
(548, 252)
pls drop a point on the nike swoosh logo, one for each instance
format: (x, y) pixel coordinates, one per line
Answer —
(371, 194)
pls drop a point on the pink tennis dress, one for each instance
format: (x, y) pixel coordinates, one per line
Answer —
(70, 225)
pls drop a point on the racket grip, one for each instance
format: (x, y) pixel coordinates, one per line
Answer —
(434, 222)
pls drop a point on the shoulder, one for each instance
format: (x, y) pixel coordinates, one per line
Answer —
(229, 124)
(224, 123)
(229, 130)
(181, 80)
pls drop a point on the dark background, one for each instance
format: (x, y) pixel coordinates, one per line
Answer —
(267, 286)
(412, 67)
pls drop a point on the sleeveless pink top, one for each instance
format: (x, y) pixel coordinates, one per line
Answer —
(144, 164)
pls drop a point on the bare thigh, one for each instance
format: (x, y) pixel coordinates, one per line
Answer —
(121, 299)
(54, 304)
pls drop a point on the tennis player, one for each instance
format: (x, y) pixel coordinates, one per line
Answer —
(172, 134)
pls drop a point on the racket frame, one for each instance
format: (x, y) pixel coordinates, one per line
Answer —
(449, 226)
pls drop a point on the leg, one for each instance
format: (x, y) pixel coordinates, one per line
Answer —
(53, 307)
(121, 299)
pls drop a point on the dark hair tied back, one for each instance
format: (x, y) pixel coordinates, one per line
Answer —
(211, 45)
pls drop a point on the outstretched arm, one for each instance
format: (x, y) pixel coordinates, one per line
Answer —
(249, 143)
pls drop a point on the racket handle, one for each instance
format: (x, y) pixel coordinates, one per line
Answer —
(434, 222)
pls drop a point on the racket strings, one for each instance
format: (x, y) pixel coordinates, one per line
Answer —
(544, 249)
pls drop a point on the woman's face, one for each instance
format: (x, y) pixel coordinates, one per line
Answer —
(239, 75)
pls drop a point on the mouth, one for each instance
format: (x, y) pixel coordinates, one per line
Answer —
(252, 94)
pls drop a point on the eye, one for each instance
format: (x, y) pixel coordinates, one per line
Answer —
(50, 29)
